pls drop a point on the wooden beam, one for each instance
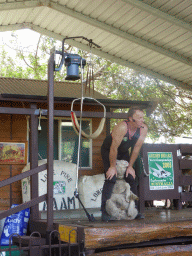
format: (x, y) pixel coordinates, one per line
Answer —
(21, 207)
(133, 232)
(186, 196)
(186, 149)
(185, 164)
(185, 180)
(22, 175)
(62, 113)
(160, 14)
(170, 250)
(21, 111)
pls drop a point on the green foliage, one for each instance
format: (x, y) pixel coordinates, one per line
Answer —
(171, 118)
(27, 63)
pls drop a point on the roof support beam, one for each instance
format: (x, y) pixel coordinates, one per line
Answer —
(14, 27)
(21, 5)
(113, 59)
(118, 32)
(157, 13)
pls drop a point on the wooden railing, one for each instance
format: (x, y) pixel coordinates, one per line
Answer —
(179, 151)
(19, 177)
(185, 181)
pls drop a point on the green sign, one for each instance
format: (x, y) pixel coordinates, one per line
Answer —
(161, 173)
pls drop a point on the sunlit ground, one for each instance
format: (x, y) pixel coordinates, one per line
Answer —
(157, 203)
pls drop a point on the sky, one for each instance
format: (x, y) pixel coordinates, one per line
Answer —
(178, 140)
(27, 37)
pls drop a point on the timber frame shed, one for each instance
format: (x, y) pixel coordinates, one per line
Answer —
(21, 98)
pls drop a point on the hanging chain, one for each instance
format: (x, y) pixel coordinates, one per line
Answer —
(90, 73)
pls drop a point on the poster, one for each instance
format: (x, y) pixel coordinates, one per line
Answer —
(161, 173)
(13, 152)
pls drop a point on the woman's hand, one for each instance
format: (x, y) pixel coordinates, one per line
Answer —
(111, 172)
(131, 171)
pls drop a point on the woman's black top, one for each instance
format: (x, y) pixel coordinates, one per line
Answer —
(124, 149)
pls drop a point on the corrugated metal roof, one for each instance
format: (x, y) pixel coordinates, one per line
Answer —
(30, 87)
(154, 37)
(35, 90)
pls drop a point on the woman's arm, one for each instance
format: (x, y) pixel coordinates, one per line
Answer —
(117, 135)
(136, 150)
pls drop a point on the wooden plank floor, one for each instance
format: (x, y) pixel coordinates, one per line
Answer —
(158, 224)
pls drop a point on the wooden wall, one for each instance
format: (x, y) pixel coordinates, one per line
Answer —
(14, 128)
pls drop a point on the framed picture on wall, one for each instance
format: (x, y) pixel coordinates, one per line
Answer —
(13, 152)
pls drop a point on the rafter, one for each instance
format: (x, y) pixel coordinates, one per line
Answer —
(20, 5)
(14, 27)
(157, 13)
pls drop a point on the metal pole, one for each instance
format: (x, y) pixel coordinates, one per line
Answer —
(10, 167)
(50, 143)
(34, 162)
(80, 138)
(107, 122)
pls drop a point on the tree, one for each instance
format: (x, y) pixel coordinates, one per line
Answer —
(171, 118)
(26, 62)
